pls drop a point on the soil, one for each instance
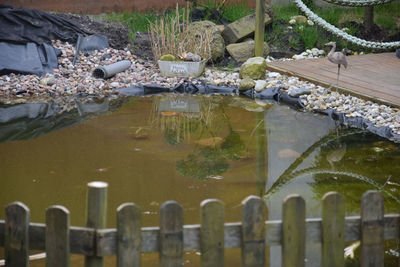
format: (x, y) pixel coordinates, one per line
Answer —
(117, 33)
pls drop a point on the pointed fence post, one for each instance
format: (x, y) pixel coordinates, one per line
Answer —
(333, 230)
(57, 237)
(17, 235)
(212, 233)
(293, 231)
(253, 232)
(129, 235)
(171, 234)
(96, 215)
(372, 212)
(260, 27)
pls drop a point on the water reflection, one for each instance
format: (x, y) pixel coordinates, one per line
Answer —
(189, 148)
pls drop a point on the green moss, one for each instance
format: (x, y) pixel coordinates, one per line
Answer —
(168, 57)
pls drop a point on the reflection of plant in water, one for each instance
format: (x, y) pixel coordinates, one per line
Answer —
(348, 180)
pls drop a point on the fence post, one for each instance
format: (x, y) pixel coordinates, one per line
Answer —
(129, 235)
(260, 26)
(212, 233)
(294, 229)
(57, 237)
(17, 235)
(171, 234)
(96, 211)
(372, 212)
(253, 232)
(333, 230)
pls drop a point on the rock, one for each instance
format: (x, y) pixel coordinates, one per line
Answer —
(292, 21)
(299, 19)
(260, 85)
(246, 84)
(114, 85)
(297, 57)
(288, 153)
(210, 142)
(49, 81)
(310, 22)
(217, 43)
(167, 57)
(245, 50)
(254, 68)
(242, 28)
(298, 91)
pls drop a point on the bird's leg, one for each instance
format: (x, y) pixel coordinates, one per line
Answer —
(338, 70)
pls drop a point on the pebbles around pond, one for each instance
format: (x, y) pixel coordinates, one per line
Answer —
(69, 82)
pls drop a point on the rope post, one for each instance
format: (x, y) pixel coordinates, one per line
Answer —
(96, 211)
(259, 31)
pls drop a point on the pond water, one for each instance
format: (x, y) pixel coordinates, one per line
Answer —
(190, 148)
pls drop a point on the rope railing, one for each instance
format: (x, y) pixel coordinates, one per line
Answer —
(356, 3)
(352, 39)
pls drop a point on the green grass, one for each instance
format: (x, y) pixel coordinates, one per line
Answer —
(137, 21)
(309, 36)
(236, 11)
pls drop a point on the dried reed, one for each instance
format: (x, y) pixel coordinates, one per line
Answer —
(173, 36)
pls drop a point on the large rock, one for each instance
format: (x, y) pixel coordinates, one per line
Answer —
(245, 50)
(246, 84)
(242, 28)
(254, 68)
(217, 44)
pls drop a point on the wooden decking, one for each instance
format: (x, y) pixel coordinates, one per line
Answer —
(372, 76)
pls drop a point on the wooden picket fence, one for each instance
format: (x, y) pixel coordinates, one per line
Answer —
(129, 240)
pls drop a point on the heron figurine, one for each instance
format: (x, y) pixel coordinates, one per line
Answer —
(338, 58)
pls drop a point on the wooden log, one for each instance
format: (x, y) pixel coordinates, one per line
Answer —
(171, 234)
(260, 27)
(57, 237)
(253, 232)
(372, 233)
(96, 211)
(212, 233)
(333, 230)
(129, 235)
(16, 235)
(293, 232)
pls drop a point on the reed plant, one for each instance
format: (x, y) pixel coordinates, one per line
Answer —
(174, 36)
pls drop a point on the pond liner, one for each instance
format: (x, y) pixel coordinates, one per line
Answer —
(24, 25)
(28, 58)
(361, 123)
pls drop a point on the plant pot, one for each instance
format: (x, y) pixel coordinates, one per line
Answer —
(181, 68)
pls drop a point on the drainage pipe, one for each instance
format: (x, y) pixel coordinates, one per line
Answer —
(112, 69)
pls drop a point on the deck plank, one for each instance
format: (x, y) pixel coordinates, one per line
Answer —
(372, 76)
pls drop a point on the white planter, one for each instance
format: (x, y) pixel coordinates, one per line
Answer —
(181, 68)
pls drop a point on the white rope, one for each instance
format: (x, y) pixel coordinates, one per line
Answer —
(352, 39)
(355, 3)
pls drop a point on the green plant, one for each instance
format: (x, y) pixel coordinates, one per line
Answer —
(173, 36)
(234, 12)
(309, 36)
(137, 21)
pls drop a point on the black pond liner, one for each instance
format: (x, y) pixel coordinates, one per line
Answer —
(278, 94)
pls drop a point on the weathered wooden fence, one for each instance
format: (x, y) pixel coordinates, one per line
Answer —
(129, 239)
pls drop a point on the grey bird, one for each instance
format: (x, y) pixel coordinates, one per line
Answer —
(337, 58)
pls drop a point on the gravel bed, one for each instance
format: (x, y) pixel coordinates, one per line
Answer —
(69, 82)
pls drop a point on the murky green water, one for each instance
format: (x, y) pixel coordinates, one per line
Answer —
(192, 148)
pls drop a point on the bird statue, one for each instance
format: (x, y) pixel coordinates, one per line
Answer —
(337, 58)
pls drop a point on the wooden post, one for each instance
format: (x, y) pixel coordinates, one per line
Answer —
(17, 235)
(260, 26)
(57, 237)
(372, 211)
(171, 234)
(129, 236)
(212, 233)
(333, 230)
(253, 232)
(293, 231)
(96, 215)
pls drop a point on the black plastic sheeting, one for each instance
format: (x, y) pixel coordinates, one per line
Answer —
(24, 25)
(28, 58)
